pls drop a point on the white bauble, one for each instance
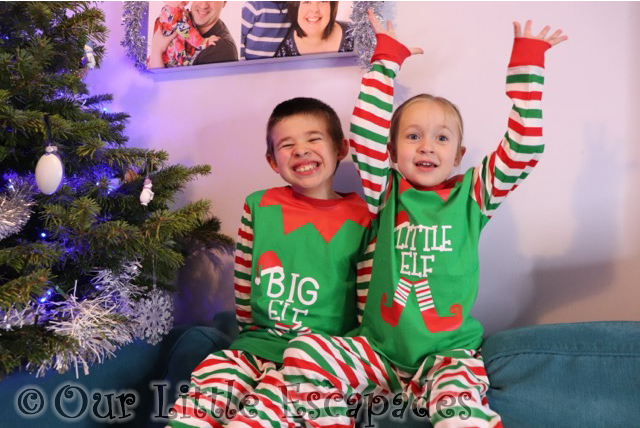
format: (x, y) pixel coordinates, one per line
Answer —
(49, 171)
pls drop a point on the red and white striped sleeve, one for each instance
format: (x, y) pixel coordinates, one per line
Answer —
(243, 269)
(371, 120)
(501, 171)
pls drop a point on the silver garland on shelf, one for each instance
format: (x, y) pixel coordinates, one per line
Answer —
(15, 209)
(364, 37)
(134, 14)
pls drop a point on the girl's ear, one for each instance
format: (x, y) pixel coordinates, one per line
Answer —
(461, 151)
(272, 163)
(392, 152)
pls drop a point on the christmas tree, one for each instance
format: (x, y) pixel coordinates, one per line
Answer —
(82, 267)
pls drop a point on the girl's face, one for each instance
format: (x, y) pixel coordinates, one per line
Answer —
(313, 17)
(427, 145)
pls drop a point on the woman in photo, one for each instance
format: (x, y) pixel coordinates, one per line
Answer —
(314, 29)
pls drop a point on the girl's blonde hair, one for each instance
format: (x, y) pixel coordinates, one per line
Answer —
(446, 105)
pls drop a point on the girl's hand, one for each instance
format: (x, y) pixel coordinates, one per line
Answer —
(378, 28)
(553, 39)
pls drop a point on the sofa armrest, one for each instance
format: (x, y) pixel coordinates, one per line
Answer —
(565, 375)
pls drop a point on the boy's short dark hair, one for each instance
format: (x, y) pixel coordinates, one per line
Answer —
(305, 106)
(292, 12)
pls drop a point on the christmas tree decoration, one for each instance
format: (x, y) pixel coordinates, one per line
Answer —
(146, 195)
(94, 325)
(134, 15)
(364, 37)
(89, 59)
(18, 318)
(154, 316)
(49, 171)
(15, 210)
(72, 275)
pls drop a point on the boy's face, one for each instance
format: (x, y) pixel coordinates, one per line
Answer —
(427, 145)
(305, 155)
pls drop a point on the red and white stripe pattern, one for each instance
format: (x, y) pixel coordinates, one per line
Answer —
(372, 113)
(243, 266)
(402, 291)
(320, 370)
(326, 370)
(218, 386)
(280, 329)
(501, 171)
(423, 293)
(453, 387)
(364, 277)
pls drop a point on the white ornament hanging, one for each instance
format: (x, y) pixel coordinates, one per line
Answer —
(154, 316)
(146, 195)
(49, 171)
(89, 59)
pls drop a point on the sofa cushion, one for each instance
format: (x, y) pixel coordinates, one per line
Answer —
(184, 350)
(566, 375)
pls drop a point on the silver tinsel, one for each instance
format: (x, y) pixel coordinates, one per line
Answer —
(15, 209)
(364, 37)
(134, 16)
(18, 318)
(94, 324)
(120, 287)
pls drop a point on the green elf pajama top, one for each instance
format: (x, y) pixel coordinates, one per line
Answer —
(295, 268)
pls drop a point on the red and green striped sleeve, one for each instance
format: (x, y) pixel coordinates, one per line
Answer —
(371, 120)
(243, 268)
(501, 171)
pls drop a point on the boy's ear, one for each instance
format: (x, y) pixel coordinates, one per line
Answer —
(461, 153)
(343, 150)
(272, 163)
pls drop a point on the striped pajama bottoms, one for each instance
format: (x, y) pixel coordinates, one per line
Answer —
(219, 386)
(326, 380)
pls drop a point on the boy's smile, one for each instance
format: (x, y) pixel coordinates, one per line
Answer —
(305, 156)
(427, 145)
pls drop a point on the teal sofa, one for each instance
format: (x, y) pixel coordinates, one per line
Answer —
(545, 376)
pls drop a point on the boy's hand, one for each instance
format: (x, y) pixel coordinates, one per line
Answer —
(553, 39)
(379, 29)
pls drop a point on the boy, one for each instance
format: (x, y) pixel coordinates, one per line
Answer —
(295, 262)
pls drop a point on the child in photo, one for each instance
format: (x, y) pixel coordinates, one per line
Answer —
(182, 50)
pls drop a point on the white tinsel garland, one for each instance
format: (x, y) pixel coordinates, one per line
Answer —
(18, 318)
(134, 14)
(364, 37)
(15, 209)
(120, 287)
(95, 326)
(101, 323)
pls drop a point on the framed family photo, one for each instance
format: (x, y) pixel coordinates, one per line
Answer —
(185, 34)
